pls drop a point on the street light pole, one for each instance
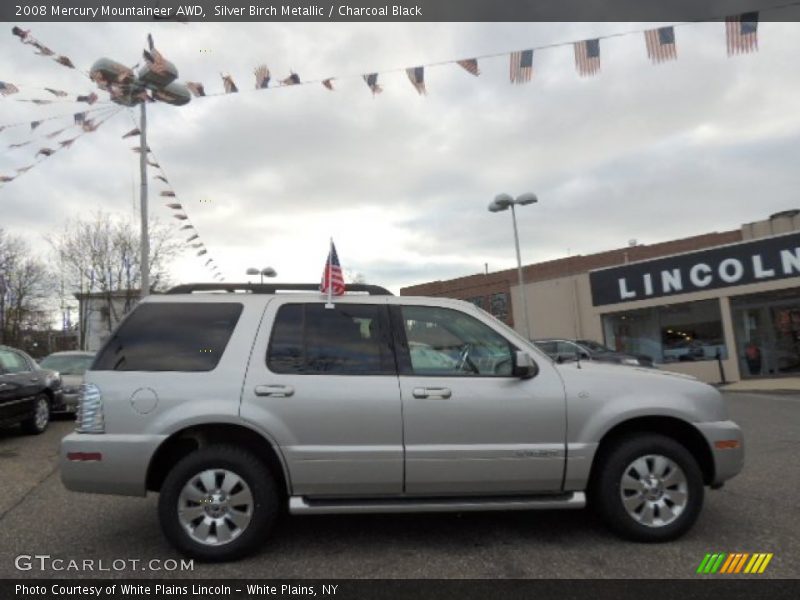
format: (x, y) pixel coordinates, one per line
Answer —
(519, 275)
(145, 237)
(501, 203)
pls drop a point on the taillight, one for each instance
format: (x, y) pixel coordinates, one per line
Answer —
(89, 418)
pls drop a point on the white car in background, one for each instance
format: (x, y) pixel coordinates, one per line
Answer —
(71, 365)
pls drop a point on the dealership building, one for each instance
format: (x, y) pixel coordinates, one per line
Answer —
(726, 299)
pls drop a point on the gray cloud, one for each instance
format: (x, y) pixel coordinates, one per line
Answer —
(402, 182)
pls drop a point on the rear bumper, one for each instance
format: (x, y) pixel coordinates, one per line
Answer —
(726, 442)
(107, 463)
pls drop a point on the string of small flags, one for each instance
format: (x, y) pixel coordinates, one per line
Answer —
(25, 37)
(87, 126)
(79, 121)
(179, 210)
(660, 45)
(56, 96)
(71, 115)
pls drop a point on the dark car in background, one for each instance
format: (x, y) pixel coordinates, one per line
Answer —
(71, 365)
(28, 393)
(562, 350)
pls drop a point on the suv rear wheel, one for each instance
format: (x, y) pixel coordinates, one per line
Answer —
(218, 503)
(648, 488)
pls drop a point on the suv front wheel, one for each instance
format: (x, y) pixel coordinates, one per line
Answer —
(218, 503)
(648, 488)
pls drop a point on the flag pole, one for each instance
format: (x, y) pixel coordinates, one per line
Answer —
(329, 277)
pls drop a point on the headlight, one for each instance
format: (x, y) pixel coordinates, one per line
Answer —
(89, 417)
(633, 362)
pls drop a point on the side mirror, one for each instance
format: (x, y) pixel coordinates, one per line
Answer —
(524, 365)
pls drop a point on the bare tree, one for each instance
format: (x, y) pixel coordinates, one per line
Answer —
(25, 287)
(100, 256)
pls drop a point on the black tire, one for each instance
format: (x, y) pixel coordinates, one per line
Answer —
(606, 495)
(265, 502)
(34, 425)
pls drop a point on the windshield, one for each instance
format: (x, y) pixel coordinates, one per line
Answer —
(594, 346)
(67, 365)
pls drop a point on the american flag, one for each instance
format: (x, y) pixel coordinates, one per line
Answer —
(6, 89)
(371, 80)
(587, 57)
(470, 65)
(332, 275)
(230, 86)
(661, 44)
(262, 77)
(416, 75)
(742, 33)
(64, 60)
(521, 66)
(196, 88)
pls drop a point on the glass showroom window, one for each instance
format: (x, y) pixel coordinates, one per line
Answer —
(674, 333)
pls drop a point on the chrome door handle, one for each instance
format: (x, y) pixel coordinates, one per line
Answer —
(276, 391)
(432, 392)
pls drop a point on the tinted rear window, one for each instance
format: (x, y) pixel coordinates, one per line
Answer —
(170, 337)
(350, 339)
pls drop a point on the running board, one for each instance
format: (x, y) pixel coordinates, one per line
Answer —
(300, 505)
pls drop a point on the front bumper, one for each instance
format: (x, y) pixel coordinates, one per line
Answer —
(69, 401)
(726, 442)
(107, 463)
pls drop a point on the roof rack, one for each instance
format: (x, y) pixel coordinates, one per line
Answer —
(271, 288)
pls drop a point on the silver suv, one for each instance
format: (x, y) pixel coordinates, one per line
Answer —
(233, 405)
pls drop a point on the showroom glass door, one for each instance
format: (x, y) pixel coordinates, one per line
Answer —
(767, 328)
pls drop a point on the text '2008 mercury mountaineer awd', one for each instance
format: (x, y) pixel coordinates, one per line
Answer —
(233, 400)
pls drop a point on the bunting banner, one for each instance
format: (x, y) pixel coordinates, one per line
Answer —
(230, 86)
(181, 214)
(46, 152)
(293, 79)
(416, 76)
(521, 66)
(660, 44)
(371, 79)
(742, 33)
(196, 88)
(470, 65)
(262, 77)
(587, 57)
(133, 132)
(6, 89)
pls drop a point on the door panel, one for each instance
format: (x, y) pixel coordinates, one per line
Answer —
(483, 431)
(324, 385)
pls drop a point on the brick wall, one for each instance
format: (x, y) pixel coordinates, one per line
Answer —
(484, 286)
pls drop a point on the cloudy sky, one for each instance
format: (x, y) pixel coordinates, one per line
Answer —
(402, 182)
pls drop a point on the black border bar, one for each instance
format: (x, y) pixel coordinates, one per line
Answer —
(394, 10)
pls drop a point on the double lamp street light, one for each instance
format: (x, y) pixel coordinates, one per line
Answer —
(503, 202)
(265, 272)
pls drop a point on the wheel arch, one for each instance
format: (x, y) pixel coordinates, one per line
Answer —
(679, 430)
(187, 440)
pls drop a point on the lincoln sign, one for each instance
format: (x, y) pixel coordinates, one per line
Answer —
(756, 261)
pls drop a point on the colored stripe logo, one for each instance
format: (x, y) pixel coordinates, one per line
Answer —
(734, 563)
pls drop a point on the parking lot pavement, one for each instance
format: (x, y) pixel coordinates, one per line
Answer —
(755, 512)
